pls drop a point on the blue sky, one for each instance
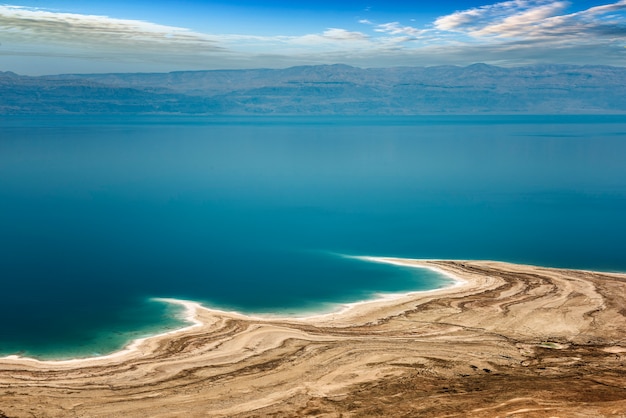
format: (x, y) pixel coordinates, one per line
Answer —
(69, 36)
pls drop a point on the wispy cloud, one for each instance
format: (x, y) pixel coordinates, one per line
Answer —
(46, 34)
(537, 30)
(343, 35)
(339, 38)
(478, 17)
(535, 20)
(21, 24)
(395, 28)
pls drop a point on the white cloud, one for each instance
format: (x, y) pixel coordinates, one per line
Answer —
(478, 17)
(21, 24)
(395, 28)
(527, 31)
(332, 39)
(89, 35)
(522, 22)
(535, 20)
(343, 35)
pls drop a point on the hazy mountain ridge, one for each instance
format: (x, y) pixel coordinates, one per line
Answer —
(325, 89)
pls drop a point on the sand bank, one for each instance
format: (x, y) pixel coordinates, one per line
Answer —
(505, 338)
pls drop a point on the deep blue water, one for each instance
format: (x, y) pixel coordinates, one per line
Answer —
(98, 215)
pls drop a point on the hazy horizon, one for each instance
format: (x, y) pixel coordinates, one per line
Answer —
(337, 64)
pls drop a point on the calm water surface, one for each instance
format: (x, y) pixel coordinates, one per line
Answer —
(98, 215)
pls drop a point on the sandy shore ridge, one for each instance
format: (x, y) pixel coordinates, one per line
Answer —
(507, 339)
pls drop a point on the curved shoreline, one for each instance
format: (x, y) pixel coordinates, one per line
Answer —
(191, 308)
(510, 338)
(378, 297)
(131, 346)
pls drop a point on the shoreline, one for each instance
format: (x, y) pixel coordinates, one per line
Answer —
(192, 307)
(338, 310)
(190, 315)
(505, 339)
(382, 297)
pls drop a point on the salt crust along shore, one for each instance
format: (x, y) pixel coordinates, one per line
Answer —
(504, 340)
(191, 315)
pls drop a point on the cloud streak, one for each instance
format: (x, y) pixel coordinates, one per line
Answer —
(395, 28)
(535, 20)
(23, 25)
(333, 37)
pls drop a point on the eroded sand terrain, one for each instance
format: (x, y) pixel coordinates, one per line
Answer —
(512, 341)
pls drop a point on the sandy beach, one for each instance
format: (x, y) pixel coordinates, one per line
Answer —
(505, 340)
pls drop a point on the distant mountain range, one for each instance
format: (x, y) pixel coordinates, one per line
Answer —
(325, 90)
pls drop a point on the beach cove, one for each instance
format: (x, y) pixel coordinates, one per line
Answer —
(506, 338)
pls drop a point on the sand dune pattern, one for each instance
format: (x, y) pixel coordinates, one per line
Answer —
(511, 340)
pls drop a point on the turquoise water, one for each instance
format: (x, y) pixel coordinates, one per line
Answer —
(253, 214)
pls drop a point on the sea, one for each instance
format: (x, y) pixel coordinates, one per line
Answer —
(100, 215)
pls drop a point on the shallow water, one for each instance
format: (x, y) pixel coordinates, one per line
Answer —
(253, 214)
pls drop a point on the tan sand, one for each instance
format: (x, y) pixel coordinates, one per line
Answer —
(507, 340)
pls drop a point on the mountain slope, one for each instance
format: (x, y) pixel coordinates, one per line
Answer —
(325, 89)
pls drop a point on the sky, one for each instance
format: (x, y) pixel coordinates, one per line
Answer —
(95, 36)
